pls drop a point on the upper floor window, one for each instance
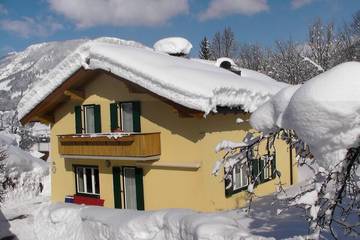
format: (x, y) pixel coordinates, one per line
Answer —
(125, 116)
(88, 119)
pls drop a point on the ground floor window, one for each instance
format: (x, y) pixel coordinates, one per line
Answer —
(87, 180)
(128, 188)
(266, 166)
(262, 169)
(240, 177)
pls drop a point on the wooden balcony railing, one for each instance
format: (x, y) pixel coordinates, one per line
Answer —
(140, 145)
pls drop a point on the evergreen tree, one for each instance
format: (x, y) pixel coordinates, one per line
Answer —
(204, 52)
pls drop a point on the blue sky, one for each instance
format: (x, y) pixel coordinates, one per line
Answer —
(24, 22)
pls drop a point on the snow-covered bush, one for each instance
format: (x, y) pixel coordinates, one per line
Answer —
(23, 174)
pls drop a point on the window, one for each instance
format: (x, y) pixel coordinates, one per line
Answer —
(125, 116)
(267, 168)
(128, 188)
(87, 180)
(240, 177)
(88, 119)
(263, 168)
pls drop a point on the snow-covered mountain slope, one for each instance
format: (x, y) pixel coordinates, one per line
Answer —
(21, 70)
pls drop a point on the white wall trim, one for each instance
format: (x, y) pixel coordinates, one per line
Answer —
(142, 161)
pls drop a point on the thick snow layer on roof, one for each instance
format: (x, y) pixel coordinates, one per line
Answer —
(190, 83)
(324, 112)
(173, 45)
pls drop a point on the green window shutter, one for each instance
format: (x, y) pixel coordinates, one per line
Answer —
(78, 120)
(255, 168)
(139, 188)
(117, 187)
(273, 167)
(261, 169)
(114, 119)
(136, 116)
(97, 116)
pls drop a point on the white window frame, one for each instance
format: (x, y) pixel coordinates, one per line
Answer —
(85, 180)
(242, 184)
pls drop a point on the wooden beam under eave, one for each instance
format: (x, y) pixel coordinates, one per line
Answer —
(75, 95)
(184, 114)
(187, 113)
(46, 119)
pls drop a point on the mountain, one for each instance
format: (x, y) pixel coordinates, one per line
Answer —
(21, 70)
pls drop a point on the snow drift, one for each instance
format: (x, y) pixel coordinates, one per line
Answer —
(324, 112)
(68, 221)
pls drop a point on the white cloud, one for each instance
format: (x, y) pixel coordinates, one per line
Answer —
(295, 4)
(3, 10)
(89, 13)
(220, 8)
(27, 27)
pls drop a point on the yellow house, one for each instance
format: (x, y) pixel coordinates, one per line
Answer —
(137, 128)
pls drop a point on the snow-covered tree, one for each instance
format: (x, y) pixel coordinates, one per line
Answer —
(204, 52)
(288, 64)
(323, 44)
(253, 56)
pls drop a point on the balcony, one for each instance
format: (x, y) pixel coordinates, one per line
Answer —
(122, 146)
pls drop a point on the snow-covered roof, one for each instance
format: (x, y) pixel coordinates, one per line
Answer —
(190, 83)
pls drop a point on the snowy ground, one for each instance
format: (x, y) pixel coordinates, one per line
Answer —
(66, 221)
(36, 218)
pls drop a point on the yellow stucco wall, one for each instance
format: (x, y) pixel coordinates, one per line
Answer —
(182, 140)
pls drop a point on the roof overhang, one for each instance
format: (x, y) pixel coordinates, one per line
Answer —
(42, 111)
